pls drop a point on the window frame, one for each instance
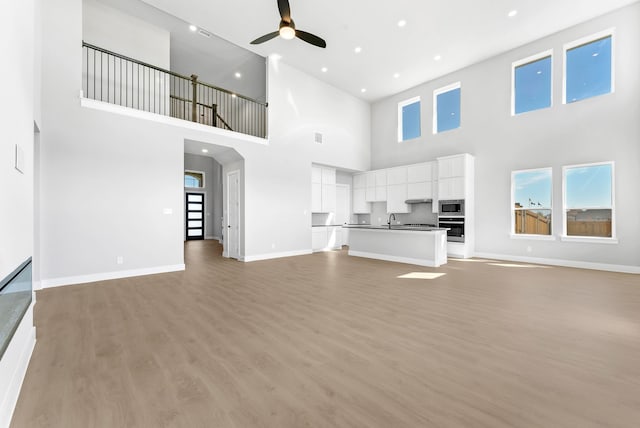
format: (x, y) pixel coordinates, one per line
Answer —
(610, 32)
(533, 236)
(443, 90)
(197, 172)
(593, 239)
(525, 61)
(401, 105)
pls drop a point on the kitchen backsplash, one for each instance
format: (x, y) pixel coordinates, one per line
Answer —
(420, 213)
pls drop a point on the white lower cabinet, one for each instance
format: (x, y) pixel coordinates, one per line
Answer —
(325, 238)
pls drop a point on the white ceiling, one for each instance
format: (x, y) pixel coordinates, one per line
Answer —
(462, 32)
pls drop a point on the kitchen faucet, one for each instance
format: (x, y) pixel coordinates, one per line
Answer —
(389, 221)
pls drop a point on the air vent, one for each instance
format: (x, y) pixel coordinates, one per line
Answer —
(204, 33)
(318, 138)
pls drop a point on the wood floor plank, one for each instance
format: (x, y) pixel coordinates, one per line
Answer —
(328, 340)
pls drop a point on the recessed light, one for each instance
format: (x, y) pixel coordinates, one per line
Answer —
(402, 23)
(205, 151)
(193, 28)
(396, 75)
(238, 75)
(233, 95)
(512, 13)
(437, 58)
(363, 90)
(358, 49)
(324, 69)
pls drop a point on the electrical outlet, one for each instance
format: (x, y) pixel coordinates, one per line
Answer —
(120, 260)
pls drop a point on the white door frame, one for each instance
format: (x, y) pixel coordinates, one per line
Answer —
(227, 239)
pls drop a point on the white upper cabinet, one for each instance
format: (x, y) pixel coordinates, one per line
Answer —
(381, 178)
(396, 195)
(359, 181)
(323, 189)
(422, 190)
(316, 174)
(371, 178)
(328, 176)
(420, 172)
(397, 175)
(452, 166)
(360, 204)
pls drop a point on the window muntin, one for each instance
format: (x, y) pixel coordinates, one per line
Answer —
(532, 83)
(194, 179)
(589, 200)
(531, 202)
(446, 108)
(409, 119)
(588, 67)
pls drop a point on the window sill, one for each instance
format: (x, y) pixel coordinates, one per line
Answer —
(589, 239)
(533, 237)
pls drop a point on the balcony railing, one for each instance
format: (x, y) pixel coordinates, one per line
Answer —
(117, 79)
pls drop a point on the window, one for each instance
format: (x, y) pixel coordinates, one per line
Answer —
(531, 202)
(588, 200)
(531, 83)
(409, 119)
(588, 67)
(193, 179)
(446, 108)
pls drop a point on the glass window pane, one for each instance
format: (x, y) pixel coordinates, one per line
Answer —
(532, 189)
(589, 222)
(448, 105)
(411, 121)
(533, 85)
(588, 187)
(195, 223)
(194, 198)
(194, 216)
(193, 179)
(195, 207)
(194, 232)
(588, 70)
(532, 222)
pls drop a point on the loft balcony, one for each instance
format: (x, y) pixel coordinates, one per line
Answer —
(117, 79)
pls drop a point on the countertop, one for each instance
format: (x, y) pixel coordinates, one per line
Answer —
(395, 227)
(326, 225)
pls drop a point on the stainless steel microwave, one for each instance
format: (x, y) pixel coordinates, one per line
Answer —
(453, 207)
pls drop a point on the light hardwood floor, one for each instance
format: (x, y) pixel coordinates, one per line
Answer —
(328, 340)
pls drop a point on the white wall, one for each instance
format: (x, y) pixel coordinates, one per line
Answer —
(126, 170)
(18, 48)
(110, 29)
(598, 129)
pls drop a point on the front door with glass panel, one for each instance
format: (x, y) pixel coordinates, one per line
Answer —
(194, 216)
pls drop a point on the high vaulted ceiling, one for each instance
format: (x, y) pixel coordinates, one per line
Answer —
(460, 32)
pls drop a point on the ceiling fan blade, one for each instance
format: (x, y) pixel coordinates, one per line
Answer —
(265, 38)
(285, 10)
(310, 38)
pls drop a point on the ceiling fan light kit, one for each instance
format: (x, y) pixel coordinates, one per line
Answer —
(287, 29)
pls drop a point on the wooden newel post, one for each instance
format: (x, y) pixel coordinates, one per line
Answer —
(194, 98)
(214, 110)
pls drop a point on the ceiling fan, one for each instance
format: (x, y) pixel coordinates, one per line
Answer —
(288, 30)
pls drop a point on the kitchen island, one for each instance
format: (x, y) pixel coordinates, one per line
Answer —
(424, 246)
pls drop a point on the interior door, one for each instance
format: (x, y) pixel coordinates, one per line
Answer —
(343, 212)
(233, 215)
(194, 216)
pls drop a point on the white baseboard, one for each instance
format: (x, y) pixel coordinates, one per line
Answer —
(269, 256)
(389, 258)
(13, 366)
(560, 262)
(82, 279)
(217, 238)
